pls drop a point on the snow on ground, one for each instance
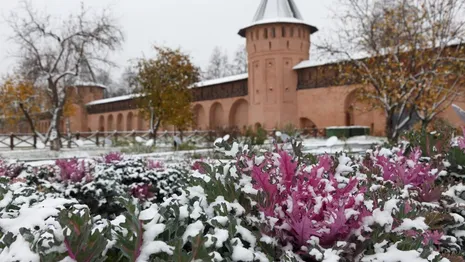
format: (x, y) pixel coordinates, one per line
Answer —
(311, 145)
(356, 144)
(26, 142)
(164, 156)
(44, 154)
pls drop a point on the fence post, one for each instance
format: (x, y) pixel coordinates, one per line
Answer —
(133, 136)
(97, 138)
(12, 141)
(69, 137)
(35, 141)
(116, 137)
(78, 136)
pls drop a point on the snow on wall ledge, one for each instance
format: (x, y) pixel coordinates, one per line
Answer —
(113, 99)
(93, 84)
(212, 82)
(221, 80)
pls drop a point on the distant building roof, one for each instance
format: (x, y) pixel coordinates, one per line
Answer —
(277, 11)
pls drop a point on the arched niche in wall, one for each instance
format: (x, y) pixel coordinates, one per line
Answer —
(101, 124)
(129, 120)
(110, 123)
(357, 112)
(200, 119)
(119, 122)
(239, 114)
(216, 116)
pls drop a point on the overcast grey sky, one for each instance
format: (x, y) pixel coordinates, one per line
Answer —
(197, 26)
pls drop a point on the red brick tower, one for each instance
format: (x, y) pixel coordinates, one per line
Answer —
(277, 40)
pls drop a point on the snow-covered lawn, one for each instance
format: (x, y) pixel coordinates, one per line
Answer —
(311, 145)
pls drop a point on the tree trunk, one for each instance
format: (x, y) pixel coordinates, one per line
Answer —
(55, 141)
(181, 135)
(28, 118)
(155, 130)
(390, 129)
(424, 126)
(55, 144)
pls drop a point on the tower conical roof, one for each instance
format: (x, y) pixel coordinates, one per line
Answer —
(277, 11)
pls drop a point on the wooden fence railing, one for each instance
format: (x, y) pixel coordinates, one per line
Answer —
(98, 139)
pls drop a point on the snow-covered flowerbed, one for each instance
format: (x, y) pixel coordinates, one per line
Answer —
(388, 205)
(98, 182)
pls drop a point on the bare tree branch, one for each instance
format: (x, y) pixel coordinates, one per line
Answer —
(412, 60)
(54, 52)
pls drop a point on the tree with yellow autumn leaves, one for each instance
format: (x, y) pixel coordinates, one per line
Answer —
(407, 56)
(164, 95)
(21, 100)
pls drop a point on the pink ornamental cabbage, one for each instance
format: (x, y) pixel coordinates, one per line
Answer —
(197, 166)
(9, 170)
(306, 202)
(113, 157)
(73, 170)
(433, 237)
(142, 192)
(155, 165)
(429, 237)
(404, 170)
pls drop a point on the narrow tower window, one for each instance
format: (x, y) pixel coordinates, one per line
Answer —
(257, 34)
(265, 33)
(273, 32)
(287, 44)
(292, 31)
(283, 31)
(270, 45)
(299, 33)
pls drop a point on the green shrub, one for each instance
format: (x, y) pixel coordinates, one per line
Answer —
(456, 159)
(186, 146)
(431, 143)
(255, 137)
(138, 149)
(120, 142)
(290, 130)
(196, 156)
